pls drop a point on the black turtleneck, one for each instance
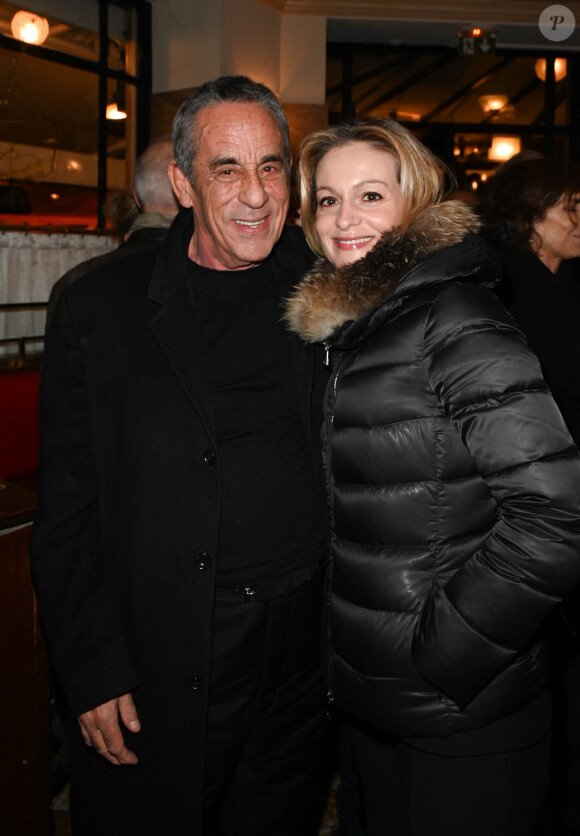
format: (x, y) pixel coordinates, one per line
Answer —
(270, 520)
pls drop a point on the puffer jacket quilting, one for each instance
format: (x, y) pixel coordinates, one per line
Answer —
(453, 483)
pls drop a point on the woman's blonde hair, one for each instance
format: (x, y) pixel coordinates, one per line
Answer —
(420, 174)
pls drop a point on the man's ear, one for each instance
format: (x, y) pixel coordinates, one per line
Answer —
(137, 201)
(180, 183)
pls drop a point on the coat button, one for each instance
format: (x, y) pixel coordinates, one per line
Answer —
(209, 457)
(203, 561)
(194, 683)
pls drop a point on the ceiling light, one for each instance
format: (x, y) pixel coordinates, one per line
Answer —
(560, 68)
(29, 28)
(504, 148)
(406, 116)
(492, 103)
(116, 108)
(113, 112)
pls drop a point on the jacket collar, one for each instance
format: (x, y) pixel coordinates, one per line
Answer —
(173, 320)
(328, 296)
(171, 267)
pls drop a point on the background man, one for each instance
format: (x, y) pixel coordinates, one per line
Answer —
(146, 215)
(181, 530)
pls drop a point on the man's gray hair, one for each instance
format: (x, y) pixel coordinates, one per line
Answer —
(238, 89)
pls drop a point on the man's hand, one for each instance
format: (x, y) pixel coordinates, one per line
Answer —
(100, 729)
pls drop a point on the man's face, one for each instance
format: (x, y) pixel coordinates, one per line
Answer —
(239, 194)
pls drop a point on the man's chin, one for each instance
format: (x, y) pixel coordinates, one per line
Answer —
(246, 257)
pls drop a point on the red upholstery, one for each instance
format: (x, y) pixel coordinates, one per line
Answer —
(18, 422)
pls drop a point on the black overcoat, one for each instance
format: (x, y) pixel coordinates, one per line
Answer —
(127, 526)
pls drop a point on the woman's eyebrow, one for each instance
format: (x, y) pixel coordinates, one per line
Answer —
(359, 185)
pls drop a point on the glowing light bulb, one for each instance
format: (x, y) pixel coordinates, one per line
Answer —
(29, 28)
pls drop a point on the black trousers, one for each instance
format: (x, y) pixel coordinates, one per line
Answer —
(266, 726)
(403, 791)
(564, 645)
(265, 734)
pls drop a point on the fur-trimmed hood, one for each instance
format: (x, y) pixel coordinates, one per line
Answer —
(330, 296)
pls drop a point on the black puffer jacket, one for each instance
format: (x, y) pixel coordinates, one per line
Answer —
(454, 484)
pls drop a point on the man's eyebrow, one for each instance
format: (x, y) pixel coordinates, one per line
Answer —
(272, 158)
(221, 161)
(214, 164)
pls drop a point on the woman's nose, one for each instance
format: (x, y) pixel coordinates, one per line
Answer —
(347, 216)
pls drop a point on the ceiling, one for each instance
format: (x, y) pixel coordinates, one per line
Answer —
(522, 35)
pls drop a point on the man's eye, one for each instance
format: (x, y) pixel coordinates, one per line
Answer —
(227, 173)
(270, 170)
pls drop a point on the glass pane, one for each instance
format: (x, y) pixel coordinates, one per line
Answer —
(49, 138)
(70, 36)
(48, 149)
(445, 87)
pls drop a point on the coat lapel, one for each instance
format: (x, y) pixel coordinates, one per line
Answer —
(289, 264)
(174, 325)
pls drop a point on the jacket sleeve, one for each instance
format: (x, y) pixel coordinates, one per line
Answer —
(77, 603)
(489, 382)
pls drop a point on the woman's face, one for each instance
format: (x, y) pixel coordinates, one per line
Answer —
(558, 233)
(358, 197)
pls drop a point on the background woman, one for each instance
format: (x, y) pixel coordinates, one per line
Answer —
(453, 484)
(531, 212)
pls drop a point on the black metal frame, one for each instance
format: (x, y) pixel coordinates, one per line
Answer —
(394, 56)
(142, 80)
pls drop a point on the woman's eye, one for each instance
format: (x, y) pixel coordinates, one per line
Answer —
(326, 201)
(372, 196)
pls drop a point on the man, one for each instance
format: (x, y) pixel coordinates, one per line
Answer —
(181, 529)
(151, 211)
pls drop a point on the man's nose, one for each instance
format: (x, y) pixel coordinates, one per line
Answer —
(253, 192)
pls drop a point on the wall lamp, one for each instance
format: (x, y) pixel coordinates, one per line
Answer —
(29, 28)
(560, 68)
(504, 148)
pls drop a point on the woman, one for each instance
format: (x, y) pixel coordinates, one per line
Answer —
(531, 215)
(453, 486)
